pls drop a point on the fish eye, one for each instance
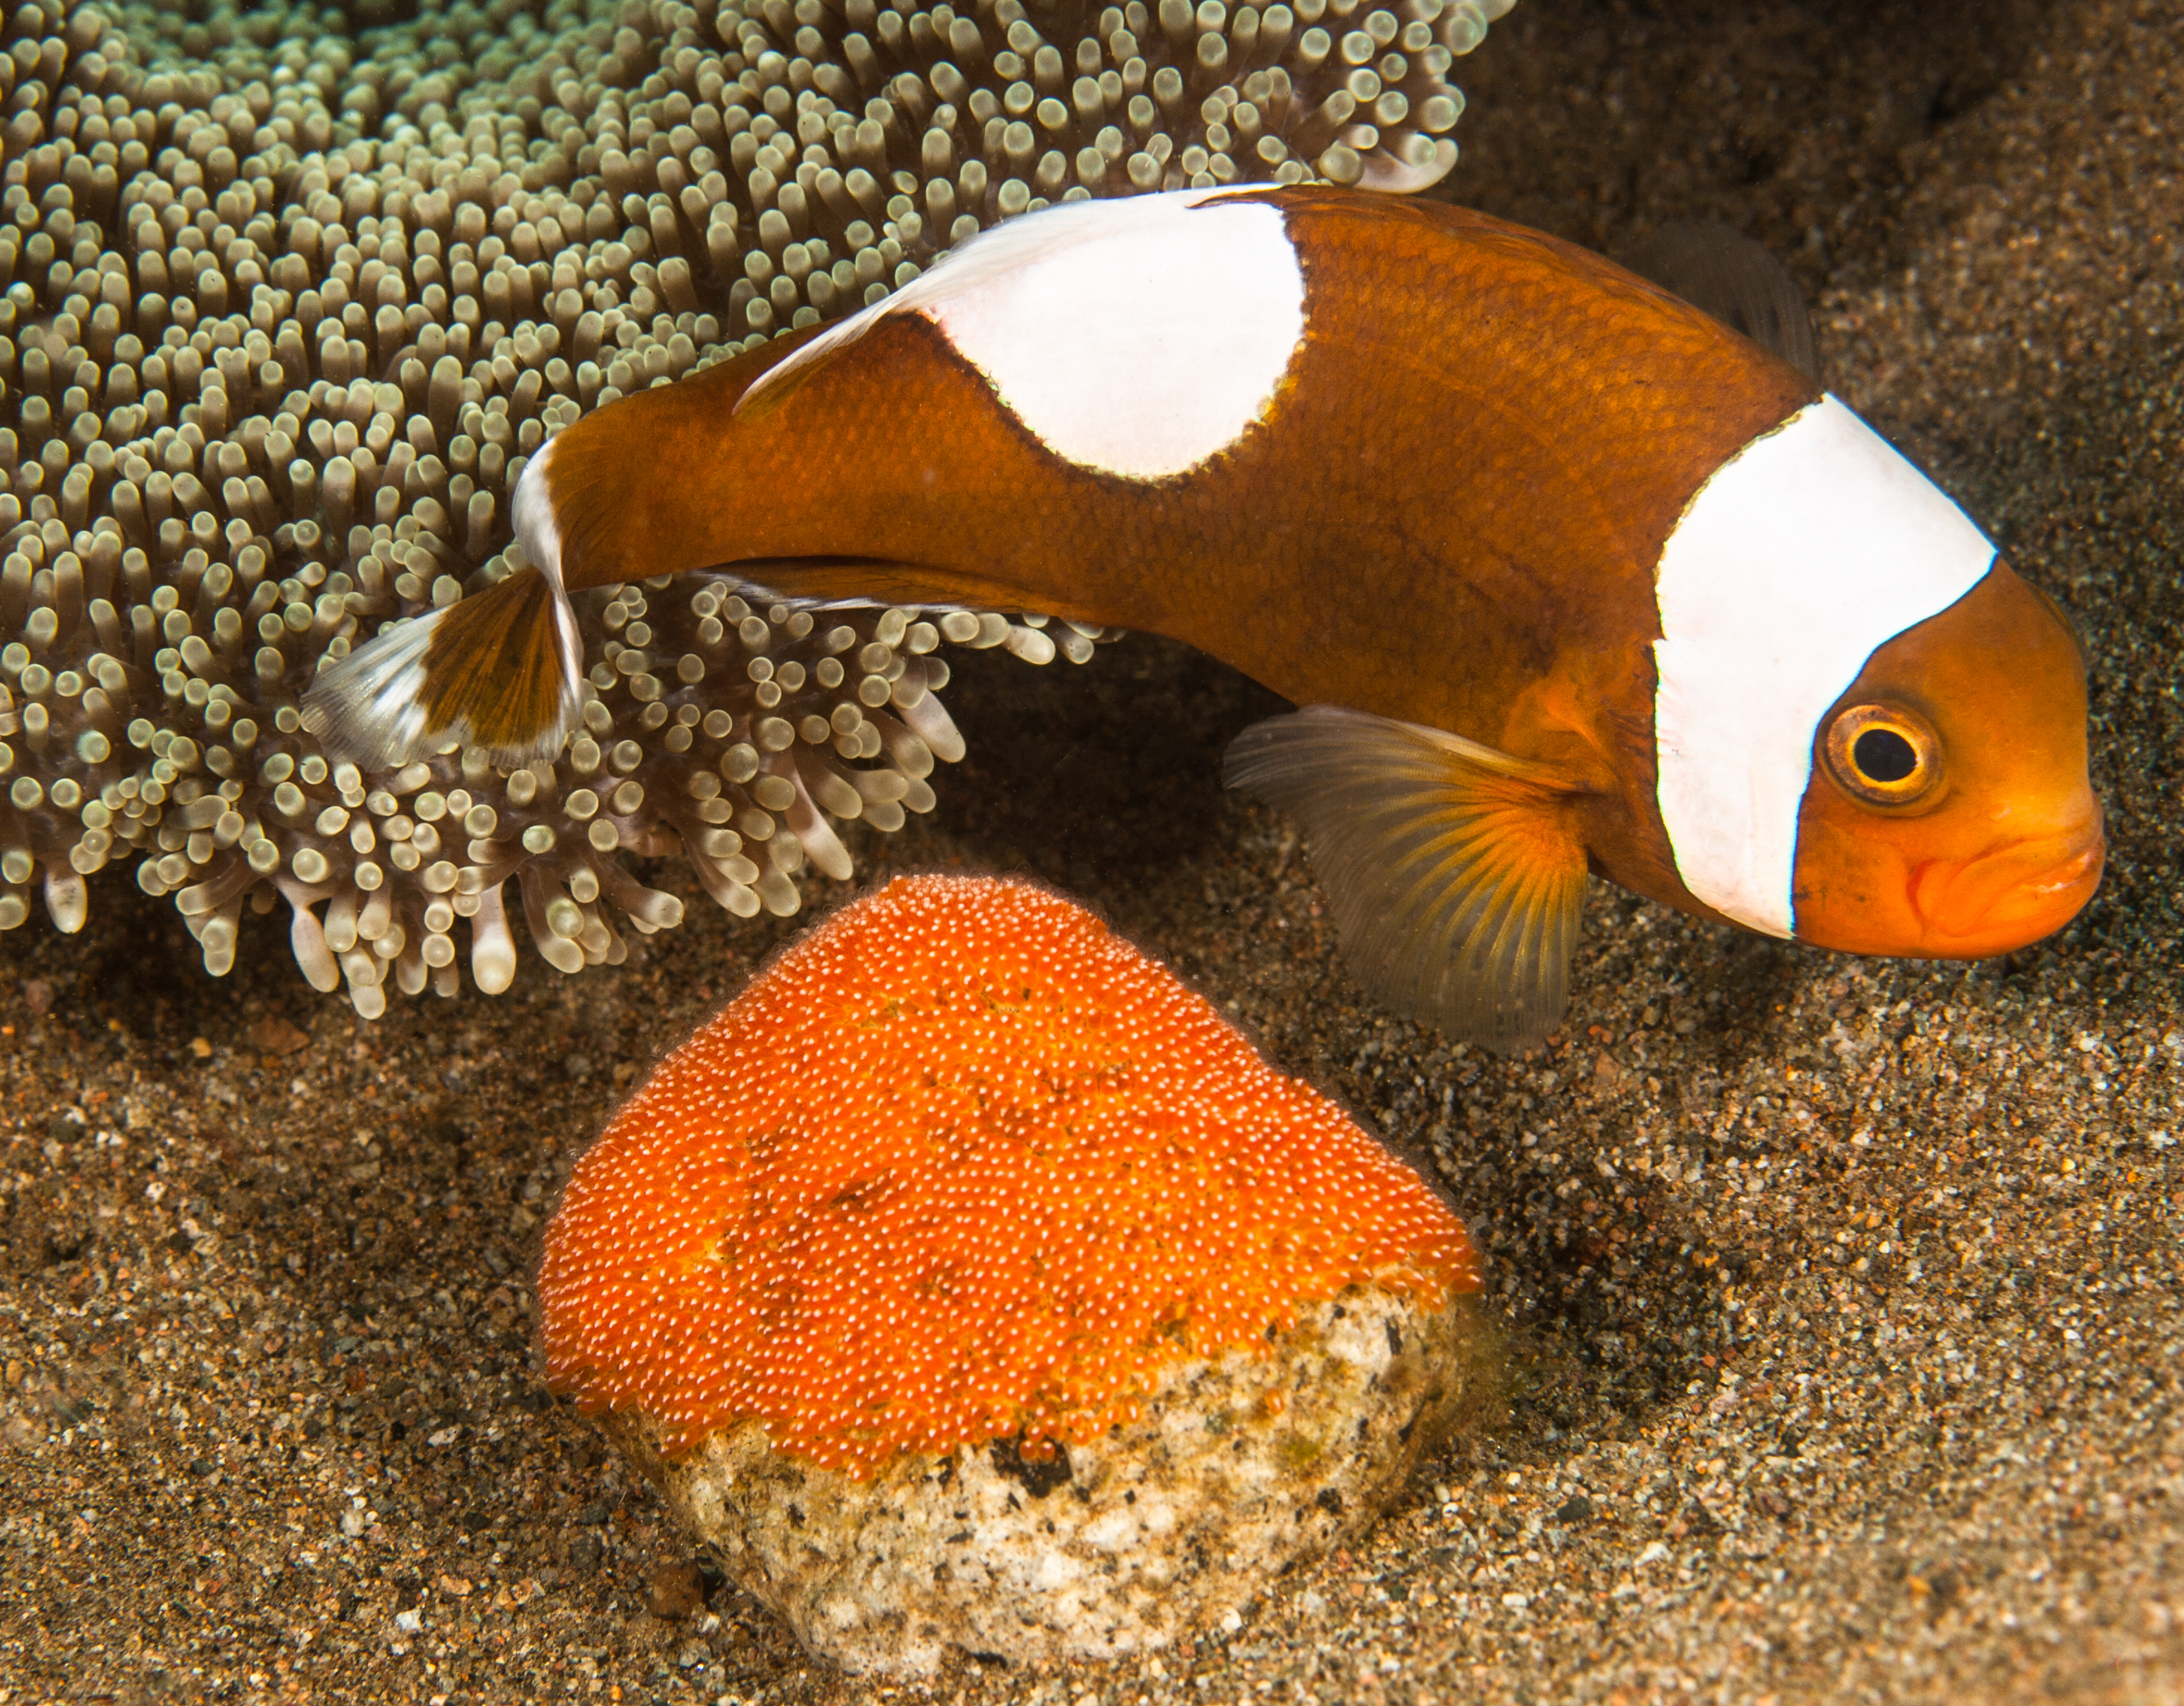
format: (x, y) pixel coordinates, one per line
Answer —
(1884, 754)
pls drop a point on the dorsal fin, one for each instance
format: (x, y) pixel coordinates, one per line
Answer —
(1454, 871)
(1737, 281)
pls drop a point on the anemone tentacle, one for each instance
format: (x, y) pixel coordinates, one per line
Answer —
(290, 300)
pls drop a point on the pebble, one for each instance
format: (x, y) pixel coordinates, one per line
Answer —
(675, 1591)
(275, 1035)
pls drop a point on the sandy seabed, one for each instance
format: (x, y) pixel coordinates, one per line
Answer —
(1842, 1297)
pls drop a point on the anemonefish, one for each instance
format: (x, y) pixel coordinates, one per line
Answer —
(1565, 574)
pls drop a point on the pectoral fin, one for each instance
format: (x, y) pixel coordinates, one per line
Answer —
(1456, 872)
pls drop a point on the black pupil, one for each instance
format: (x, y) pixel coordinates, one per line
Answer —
(1883, 755)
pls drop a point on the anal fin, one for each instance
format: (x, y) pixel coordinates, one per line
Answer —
(840, 582)
(1455, 872)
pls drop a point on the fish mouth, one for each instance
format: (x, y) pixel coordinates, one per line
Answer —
(2008, 897)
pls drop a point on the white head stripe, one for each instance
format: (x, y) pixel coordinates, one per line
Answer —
(1137, 335)
(1810, 548)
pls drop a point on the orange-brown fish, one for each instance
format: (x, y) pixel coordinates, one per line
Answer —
(1565, 574)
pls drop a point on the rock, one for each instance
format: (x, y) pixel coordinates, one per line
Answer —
(969, 1283)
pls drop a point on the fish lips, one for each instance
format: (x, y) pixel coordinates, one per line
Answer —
(2008, 896)
(2005, 896)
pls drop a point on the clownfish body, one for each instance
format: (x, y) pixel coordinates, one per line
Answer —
(1567, 574)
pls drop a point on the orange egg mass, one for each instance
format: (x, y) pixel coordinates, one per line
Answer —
(961, 1164)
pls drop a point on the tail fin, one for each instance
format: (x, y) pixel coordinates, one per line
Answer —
(501, 670)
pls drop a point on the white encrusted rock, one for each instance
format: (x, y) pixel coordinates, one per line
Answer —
(1238, 1467)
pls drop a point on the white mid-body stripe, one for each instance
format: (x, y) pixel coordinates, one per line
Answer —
(1812, 547)
(1137, 336)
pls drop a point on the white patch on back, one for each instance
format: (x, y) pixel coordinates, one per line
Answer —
(1810, 549)
(1137, 336)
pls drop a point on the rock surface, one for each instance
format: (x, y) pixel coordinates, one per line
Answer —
(1240, 1468)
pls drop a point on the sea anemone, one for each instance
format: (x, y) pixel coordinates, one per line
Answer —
(964, 1190)
(288, 304)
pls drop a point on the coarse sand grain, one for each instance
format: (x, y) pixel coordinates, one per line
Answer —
(1844, 1296)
